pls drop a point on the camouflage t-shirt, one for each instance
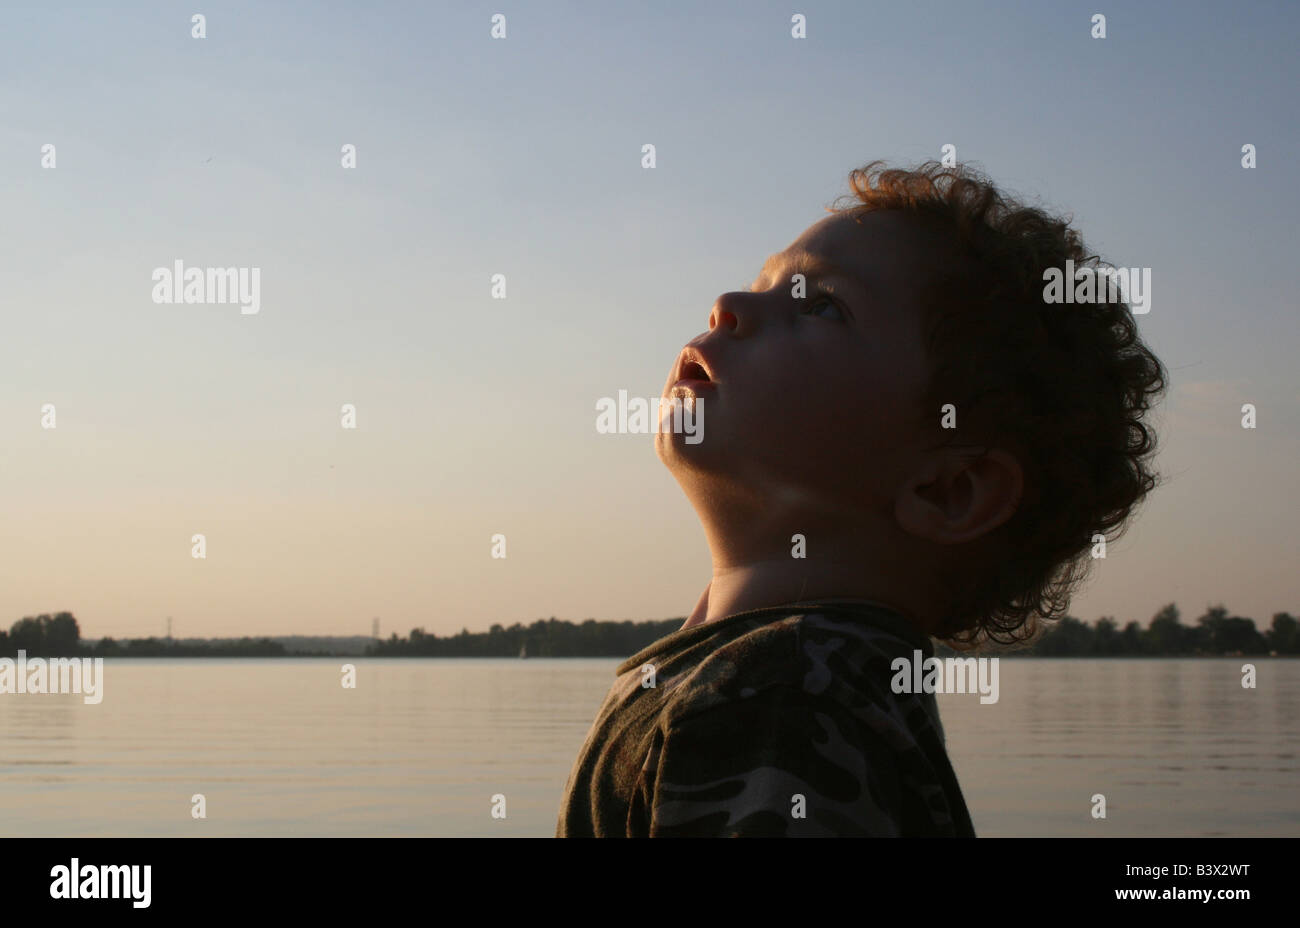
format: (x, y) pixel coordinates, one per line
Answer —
(775, 722)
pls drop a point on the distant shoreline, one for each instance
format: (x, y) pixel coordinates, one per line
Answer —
(1216, 635)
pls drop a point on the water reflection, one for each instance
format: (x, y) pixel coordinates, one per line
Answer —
(420, 747)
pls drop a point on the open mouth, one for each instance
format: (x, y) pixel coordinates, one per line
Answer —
(693, 375)
(694, 370)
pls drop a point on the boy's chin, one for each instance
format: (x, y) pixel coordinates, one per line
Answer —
(670, 445)
(684, 452)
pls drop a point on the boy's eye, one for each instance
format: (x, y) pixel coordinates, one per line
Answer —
(824, 306)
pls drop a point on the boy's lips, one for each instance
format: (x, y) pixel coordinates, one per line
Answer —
(694, 370)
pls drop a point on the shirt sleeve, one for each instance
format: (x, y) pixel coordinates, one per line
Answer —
(779, 762)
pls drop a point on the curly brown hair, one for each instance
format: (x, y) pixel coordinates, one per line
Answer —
(1064, 388)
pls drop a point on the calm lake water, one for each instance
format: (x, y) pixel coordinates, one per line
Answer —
(419, 748)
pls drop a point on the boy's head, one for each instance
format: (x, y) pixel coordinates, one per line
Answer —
(826, 397)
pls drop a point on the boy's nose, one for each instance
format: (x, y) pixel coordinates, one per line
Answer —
(727, 313)
(722, 317)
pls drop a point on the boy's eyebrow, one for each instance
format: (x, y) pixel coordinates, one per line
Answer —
(803, 262)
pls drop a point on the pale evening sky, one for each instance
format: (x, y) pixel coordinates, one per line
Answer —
(522, 157)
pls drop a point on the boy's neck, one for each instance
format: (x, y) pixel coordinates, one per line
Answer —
(761, 584)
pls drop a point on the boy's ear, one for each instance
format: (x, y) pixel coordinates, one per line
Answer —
(958, 496)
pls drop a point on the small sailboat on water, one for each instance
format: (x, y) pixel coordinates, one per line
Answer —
(523, 651)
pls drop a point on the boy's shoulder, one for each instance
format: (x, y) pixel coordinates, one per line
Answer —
(839, 652)
(780, 724)
(779, 721)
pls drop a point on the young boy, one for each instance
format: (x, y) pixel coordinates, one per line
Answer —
(905, 440)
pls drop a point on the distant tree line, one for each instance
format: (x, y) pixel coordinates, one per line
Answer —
(166, 647)
(544, 638)
(44, 635)
(1215, 633)
(59, 635)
